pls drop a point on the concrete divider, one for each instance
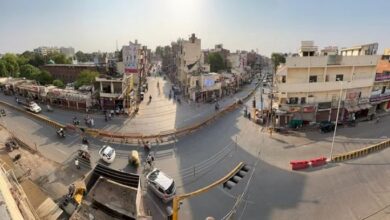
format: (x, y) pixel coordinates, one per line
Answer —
(361, 152)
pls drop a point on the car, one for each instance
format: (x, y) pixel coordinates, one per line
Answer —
(162, 185)
(107, 154)
(327, 126)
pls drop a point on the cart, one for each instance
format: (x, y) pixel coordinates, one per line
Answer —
(134, 158)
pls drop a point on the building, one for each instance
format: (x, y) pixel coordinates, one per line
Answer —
(116, 93)
(205, 87)
(68, 73)
(380, 96)
(387, 52)
(366, 49)
(308, 88)
(307, 49)
(330, 50)
(130, 54)
(190, 60)
(67, 51)
(44, 51)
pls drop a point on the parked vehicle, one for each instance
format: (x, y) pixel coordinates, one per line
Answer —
(162, 185)
(107, 154)
(327, 126)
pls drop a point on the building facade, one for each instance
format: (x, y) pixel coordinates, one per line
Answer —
(380, 96)
(130, 54)
(68, 51)
(68, 73)
(308, 88)
(46, 50)
(366, 49)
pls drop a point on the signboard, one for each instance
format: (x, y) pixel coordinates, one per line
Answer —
(324, 105)
(308, 109)
(209, 82)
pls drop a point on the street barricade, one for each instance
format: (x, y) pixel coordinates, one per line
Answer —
(299, 164)
(318, 161)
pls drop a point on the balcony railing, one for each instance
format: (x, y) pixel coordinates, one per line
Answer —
(322, 86)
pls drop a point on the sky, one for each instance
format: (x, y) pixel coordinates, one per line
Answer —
(263, 25)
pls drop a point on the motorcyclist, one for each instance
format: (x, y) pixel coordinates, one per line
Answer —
(85, 140)
(75, 121)
(61, 132)
(217, 106)
(150, 98)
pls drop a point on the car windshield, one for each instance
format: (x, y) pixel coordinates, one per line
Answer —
(108, 151)
(171, 188)
(153, 176)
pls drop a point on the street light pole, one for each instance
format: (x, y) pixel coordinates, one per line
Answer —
(337, 119)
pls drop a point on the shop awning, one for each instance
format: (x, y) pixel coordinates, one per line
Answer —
(365, 106)
(352, 108)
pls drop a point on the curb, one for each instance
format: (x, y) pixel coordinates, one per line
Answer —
(361, 152)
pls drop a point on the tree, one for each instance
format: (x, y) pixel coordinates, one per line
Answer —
(82, 57)
(86, 77)
(3, 68)
(29, 71)
(44, 78)
(59, 58)
(216, 62)
(11, 63)
(277, 59)
(58, 83)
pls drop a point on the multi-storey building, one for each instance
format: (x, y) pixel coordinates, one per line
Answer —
(366, 49)
(380, 96)
(330, 50)
(46, 50)
(307, 49)
(131, 55)
(68, 51)
(190, 60)
(308, 88)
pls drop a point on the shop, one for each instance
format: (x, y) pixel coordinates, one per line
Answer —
(71, 99)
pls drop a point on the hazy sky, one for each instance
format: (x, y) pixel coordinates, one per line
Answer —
(266, 25)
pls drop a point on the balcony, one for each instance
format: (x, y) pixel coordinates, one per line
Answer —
(322, 86)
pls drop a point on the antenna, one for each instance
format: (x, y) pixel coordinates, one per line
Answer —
(116, 45)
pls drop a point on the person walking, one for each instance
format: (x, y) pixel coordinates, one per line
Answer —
(76, 163)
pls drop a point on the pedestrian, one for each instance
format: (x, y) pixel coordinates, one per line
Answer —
(76, 163)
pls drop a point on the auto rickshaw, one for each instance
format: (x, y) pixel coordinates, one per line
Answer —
(134, 158)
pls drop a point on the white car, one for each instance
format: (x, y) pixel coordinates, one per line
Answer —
(162, 185)
(107, 154)
(34, 107)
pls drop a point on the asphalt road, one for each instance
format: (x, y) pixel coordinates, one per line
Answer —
(351, 190)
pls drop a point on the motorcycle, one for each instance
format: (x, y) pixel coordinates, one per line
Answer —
(76, 122)
(61, 133)
(85, 141)
(49, 109)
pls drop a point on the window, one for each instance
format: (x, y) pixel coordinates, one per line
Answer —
(360, 95)
(283, 79)
(383, 89)
(312, 79)
(303, 100)
(339, 77)
(327, 78)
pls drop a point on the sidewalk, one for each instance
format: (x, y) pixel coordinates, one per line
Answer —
(161, 114)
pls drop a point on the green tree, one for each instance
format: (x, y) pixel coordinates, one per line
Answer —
(3, 68)
(81, 57)
(216, 62)
(277, 59)
(59, 58)
(29, 71)
(44, 77)
(12, 65)
(86, 77)
(58, 83)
